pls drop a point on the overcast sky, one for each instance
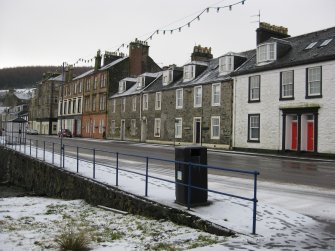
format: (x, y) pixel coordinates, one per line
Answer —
(49, 32)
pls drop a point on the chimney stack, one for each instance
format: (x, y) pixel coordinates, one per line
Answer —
(109, 57)
(97, 64)
(138, 57)
(201, 53)
(266, 31)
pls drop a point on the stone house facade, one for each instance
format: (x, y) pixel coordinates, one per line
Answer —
(70, 103)
(43, 107)
(189, 105)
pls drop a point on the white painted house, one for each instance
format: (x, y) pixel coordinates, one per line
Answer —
(284, 97)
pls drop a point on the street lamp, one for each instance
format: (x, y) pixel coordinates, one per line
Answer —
(61, 117)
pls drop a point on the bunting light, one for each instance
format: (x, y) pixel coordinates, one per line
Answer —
(187, 24)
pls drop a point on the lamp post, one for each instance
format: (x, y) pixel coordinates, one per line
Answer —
(61, 116)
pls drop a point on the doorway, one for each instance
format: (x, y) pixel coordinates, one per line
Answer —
(294, 144)
(123, 129)
(197, 131)
(310, 136)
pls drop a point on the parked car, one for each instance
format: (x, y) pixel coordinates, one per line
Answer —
(65, 133)
(32, 131)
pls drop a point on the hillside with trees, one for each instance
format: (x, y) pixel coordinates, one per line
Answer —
(28, 76)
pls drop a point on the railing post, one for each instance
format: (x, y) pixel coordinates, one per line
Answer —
(43, 150)
(77, 159)
(255, 204)
(53, 152)
(146, 176)
(117, 170)
(63, 148)
(93, 163)
(36, 148)
(189, 186)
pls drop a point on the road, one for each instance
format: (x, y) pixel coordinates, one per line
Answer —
(304, 186)
(273, 169)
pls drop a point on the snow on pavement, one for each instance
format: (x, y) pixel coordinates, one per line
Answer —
(277, 228)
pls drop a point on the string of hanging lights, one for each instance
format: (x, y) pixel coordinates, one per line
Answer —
(179, 28)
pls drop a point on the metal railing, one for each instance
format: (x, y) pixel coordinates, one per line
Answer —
(147, 162)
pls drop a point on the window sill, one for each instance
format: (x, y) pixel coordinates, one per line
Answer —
(284, 99)
(253, 141)
(254, 101)
(314, 96)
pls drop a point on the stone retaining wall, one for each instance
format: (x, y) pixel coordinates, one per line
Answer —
(48, 180)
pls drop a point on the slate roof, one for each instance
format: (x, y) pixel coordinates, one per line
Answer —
(112, 63)
(58, 78)
(297, 54)
(84, 74)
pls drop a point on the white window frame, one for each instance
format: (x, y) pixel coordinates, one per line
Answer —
(197, 96)
(179, 98)
(145, 102)
(266, 52)
(94, 103)
(287, 84)
(254, 88)
(254, 125)
(158, 101)
(133, 100)
(113, 105)
(122, 86)
(167, 77)
(226, 64)
(80, 105)
(113, 126)
(215, 122)
(189, 72)
(157, 128)
(178, 128)
(102, 102)
(314, 81)
(133, 127)
(216, 94)
(140, 82)
(123, 105)
(74, 105)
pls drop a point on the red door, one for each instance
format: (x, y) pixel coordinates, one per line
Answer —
(310, 136)
(294, 136)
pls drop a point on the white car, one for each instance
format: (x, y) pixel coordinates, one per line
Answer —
(32, 131)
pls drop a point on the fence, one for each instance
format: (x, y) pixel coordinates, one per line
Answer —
(38, 148)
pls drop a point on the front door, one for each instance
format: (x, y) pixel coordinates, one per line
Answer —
(310, 136)
(123, 128)
(294, 135)
(197, 131)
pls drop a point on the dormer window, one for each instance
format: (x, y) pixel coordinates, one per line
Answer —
(167, 77)
(266, 52)
(226, 64)
(140, 82)
(189, 72)
(122, 86)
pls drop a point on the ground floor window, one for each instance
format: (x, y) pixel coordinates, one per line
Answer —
(133, 127)
(254, 127)
(215, 127)
(113, 126)
(178, 127)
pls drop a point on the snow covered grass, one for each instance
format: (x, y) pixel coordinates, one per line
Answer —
(35, 223)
